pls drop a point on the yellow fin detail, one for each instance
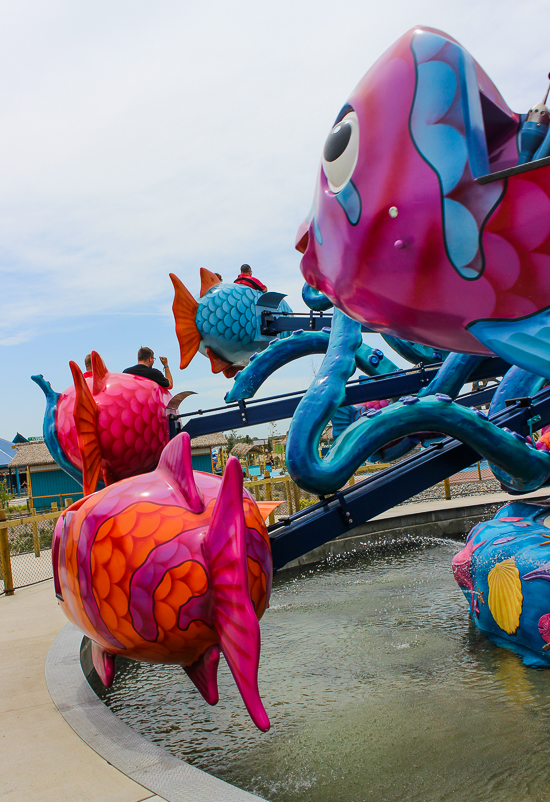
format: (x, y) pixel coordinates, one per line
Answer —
(505, 596)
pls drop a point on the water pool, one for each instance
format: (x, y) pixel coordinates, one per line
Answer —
(378, 689)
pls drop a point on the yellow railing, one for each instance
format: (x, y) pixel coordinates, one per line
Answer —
(31, 520)
(292, 491)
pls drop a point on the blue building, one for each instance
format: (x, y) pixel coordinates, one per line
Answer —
(34, 472)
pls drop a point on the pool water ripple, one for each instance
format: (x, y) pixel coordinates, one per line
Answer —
(378, 689)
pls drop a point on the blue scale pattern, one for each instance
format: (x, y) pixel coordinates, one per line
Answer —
(229, 313)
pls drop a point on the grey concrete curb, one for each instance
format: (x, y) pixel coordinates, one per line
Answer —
(126, 750)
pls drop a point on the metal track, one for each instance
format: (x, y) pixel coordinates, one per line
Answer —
(335, 515)
(265, 410)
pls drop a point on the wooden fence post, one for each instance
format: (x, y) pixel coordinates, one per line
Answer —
(447, 486)
(288, 496)
(5, 556)
(269, 497)
(296, 490)
(35, 538)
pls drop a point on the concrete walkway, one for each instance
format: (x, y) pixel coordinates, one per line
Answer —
(42, 759)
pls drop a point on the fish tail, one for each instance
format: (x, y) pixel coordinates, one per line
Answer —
(185, 311)
(234, 618)
(85, 418)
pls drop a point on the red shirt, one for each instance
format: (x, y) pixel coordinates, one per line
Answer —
(250, 281)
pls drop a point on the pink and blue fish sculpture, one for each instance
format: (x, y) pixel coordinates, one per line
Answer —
(106, 427)
(224, 323)
(504, 573)
(172, 567)
(423, 225)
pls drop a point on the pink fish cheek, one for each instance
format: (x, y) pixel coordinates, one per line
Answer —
(538, 271)
(483, 296)
(502, 260)
(527, 207)
(513, 306)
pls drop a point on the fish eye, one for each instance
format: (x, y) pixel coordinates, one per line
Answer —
(341, 151)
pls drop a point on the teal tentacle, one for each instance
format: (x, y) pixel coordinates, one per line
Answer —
(414, 352)
(277, 354)
(373, 361)
(524, 468)
(316, 300)
(453, 374)
(50, 432)
(301, 343)
(517, 383)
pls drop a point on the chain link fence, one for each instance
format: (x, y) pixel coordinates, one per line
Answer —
(26, 551)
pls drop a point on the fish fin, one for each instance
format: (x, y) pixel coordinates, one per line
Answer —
(234, 618)
(204, 674)
(341, 419)
(231, 371)
(85, 418)
(217, 362)
(176, 460)
(104, 664)
(208, 280)
(99, 371)
(108, 477)
(175, 401)
(185, 310)
(267, 507)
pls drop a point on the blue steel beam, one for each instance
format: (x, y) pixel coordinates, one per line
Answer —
(393, 385)
(309, 529)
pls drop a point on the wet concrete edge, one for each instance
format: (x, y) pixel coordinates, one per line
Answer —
(142, 761)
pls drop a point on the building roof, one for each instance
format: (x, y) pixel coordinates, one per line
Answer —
(32, 454)
(37, 453)
(243, 449)
(209, 440)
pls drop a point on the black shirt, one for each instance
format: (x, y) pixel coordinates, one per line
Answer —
(148, 373)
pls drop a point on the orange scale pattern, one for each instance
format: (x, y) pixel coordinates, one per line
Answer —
(121, 545)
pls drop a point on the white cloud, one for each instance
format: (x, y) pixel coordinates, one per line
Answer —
(140, 138)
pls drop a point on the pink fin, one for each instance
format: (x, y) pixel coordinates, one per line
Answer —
(233, 615)
(99, 372)
(176, 460)
(104, 664)
(204, 674)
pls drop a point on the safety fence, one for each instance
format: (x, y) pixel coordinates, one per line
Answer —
(26, 549)
(291, 498)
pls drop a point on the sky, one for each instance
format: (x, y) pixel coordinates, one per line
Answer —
(143, 138)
